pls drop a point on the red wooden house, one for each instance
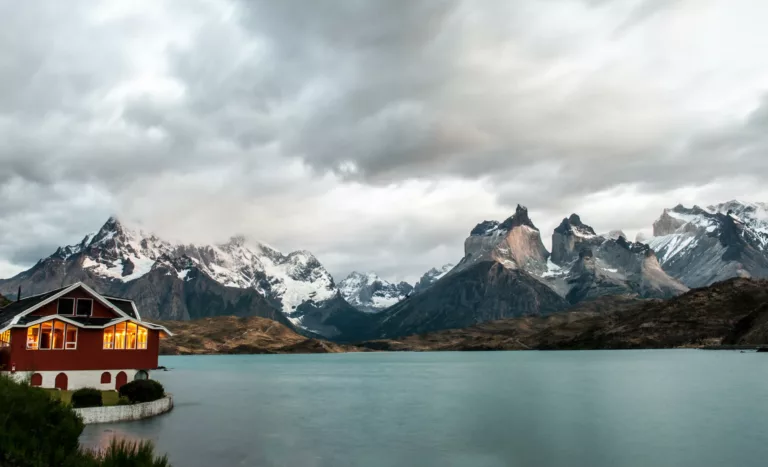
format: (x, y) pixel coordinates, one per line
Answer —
(73, 337)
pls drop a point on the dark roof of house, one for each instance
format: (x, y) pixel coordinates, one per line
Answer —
(125, 305)
(13, 309)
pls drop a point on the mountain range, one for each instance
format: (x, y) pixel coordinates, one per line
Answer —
(700, 246)
(368, 292)
(505, 272)
(728, 313)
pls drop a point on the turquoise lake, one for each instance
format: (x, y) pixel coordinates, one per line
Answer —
(482, 409)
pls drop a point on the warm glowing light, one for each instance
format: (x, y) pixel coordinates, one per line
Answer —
(46, 329)
(5, 338)
(120, 336)
(33, 337)
(130, 338)
(58, 335)
(142, 338)
(109, 336)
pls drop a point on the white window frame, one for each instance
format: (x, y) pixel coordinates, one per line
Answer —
(74, 306)
(77, 304)
(40, 336)
(77, 334)
(39, 330)
(103, 331)
(138, 342)
(53, 333)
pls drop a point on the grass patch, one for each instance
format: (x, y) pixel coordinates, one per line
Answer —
(107, 397)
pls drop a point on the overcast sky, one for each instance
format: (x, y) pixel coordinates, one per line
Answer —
(376, 133)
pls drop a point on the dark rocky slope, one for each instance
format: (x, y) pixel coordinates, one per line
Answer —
(733, 312)
(595, 265)
(482, 292)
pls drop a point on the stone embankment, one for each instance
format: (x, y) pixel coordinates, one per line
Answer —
(125, 413)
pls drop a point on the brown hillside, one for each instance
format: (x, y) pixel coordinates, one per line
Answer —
(233, 335)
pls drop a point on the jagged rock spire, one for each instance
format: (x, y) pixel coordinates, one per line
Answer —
(520, 218)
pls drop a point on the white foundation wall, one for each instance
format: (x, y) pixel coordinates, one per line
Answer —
(76, 379)
(124, 413)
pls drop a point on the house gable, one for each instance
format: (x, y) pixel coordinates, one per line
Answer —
(48, 304)
(67, 305)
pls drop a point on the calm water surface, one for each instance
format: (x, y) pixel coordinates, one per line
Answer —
(593, 409)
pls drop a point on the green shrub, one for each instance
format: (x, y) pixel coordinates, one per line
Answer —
(124, 401)
(86, 397)
(142, 390)
(37, 431)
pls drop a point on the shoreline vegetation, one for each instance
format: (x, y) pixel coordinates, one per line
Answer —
(108, 398)
(36, 430)
(731, 314)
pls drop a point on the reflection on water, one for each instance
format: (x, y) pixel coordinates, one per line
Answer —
(481, 409)
(100, 437)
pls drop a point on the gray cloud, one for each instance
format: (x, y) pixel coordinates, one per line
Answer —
(277, 119)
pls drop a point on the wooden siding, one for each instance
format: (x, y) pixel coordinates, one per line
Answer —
(89, 355)
(99, 310)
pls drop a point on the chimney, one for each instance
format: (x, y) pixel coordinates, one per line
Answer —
(18, 295)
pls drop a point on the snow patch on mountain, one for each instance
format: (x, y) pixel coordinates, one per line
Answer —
(297, 278)
(123, 253)
(370, 293)
(553, 270)
(672, 245)
(700, 246)
(430, 277)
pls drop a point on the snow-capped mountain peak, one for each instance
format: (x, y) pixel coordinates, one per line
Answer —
(370, 293)
(122, 253)
(704, 245)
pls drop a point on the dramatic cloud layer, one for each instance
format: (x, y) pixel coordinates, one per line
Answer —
(373, 133)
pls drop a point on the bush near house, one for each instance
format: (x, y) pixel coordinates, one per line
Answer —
(34, 429)
(37, 431)
(86, 397)
(142, 390)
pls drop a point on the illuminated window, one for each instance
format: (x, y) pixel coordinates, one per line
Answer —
(84, 307)
(71, 342)
(5, 338)
(33, 337)
(109, 338)
(66, 306)
(46, 330)
(120, 336)
(130, 338)
(142, 338)
(58, 335)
